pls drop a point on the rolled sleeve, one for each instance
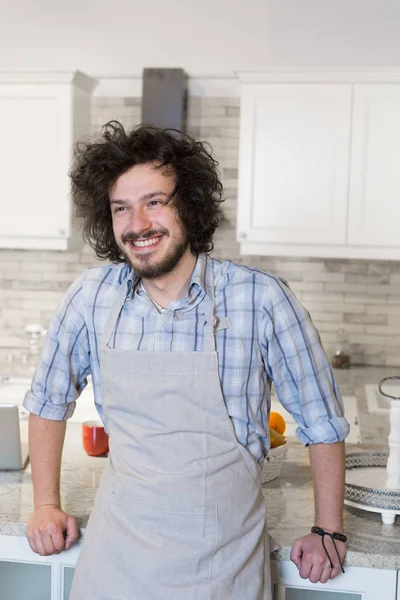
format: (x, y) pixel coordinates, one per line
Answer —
(64, 364)
(301, 373)
(48, 409)
(326, 432)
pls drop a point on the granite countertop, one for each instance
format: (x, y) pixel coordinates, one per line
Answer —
(290, 509)
(289, 498)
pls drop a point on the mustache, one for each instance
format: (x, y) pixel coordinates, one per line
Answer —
(134, 237)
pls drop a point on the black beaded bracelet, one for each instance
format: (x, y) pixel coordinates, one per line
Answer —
(334, 536)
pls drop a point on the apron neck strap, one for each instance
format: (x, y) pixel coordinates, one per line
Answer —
(210, 322)
(114, 314)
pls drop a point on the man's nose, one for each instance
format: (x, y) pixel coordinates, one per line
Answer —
(139, 221)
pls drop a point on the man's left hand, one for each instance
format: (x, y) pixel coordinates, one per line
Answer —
(310, 558)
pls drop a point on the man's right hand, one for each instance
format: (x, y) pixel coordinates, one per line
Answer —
(51, 530)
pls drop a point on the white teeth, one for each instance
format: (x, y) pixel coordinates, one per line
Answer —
(145, 242)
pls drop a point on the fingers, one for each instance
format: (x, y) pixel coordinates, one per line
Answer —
(72, 532)
(335, 571)
(326, 573)
(56, 535)
(36, 543)
(296, 553)
(315, 568)
(32, 543)
(46, 530)
(306, 566)
(39, 546)
(47, 540)
(309, 555)
(340, 551)
(305, 569)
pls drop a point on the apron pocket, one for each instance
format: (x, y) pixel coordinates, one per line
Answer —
(144, 548)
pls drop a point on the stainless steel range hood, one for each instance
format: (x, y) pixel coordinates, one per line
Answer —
(164, 98)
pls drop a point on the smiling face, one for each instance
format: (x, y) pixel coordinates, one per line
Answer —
(146, 224)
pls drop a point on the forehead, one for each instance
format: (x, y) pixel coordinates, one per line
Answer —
(143, 179)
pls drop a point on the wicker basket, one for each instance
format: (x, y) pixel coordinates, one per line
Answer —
(273, 463)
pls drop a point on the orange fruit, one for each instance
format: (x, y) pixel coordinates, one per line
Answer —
(276, 439)
(277, 422)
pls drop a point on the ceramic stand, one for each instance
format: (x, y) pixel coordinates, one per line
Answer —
(373, 478)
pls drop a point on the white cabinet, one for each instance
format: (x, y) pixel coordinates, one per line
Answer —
(356, 584)
(25, 575)
(374, 200)
(294, 172)
(318, 167)
(41, 117)
(67, 577)
(307, 594)
(24, 580)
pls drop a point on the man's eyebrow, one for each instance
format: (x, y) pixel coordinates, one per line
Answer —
(142, 198)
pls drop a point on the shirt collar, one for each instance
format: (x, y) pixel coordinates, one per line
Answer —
(131, 281)
(202, 277)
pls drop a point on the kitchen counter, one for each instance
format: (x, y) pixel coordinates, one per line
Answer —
(290, 509)
(289, 498)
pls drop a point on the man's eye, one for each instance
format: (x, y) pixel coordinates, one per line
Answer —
(119, 209)
(154, 202)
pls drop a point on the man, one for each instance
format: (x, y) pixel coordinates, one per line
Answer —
(182, 350)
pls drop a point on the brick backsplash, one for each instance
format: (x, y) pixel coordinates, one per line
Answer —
(361, 297)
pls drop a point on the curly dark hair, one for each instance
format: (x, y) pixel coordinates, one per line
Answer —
(98, 163)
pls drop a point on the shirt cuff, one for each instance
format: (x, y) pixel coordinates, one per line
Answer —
(47, 409)
(326, 432)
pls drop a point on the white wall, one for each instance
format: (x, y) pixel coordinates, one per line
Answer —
(334, 32)
(206, 37)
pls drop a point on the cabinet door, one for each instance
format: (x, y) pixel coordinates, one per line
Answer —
(374, 206)
(298, 594)
(23, 581)
(356, 584)
(293, 170)
(34, 160)
(68, 575)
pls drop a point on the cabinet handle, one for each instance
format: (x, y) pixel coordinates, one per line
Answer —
(61, 231)
(243, 235)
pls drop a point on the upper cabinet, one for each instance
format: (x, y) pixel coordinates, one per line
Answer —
(318, 169)
(42, 115)
(374, 194)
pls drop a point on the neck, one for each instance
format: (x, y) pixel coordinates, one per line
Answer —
(174, 285)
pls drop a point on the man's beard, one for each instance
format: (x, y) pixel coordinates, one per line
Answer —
(144, 268)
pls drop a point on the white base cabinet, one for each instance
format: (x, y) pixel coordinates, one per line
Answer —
(307, 594)
(25, 575)
(25, 580)
(357, 583)
(68, 575)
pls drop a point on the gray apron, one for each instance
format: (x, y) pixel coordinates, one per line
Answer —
(179, 514)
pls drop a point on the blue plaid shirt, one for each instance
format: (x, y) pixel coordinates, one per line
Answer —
(271, 339)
